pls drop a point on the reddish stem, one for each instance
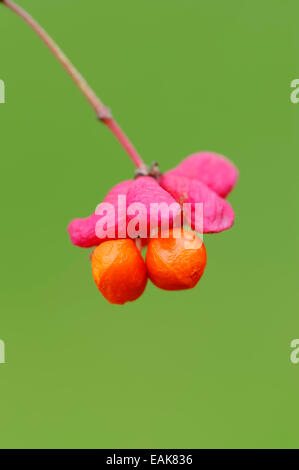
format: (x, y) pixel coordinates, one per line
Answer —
(102, 112)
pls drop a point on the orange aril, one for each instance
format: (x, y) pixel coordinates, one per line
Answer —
(119, 270)
(176, 262)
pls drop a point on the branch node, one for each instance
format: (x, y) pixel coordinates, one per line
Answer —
(103, 114)
(152, 171)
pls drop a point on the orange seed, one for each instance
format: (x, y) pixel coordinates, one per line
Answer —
(176, 262)
(119, 270)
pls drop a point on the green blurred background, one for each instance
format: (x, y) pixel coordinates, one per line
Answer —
(208, 367)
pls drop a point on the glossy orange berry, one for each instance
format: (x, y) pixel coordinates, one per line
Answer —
(176, 262)
(119, 270)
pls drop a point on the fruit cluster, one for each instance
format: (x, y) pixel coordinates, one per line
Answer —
(172, 263)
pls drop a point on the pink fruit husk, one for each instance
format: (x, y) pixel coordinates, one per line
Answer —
(147, 191)
(82, 231)
(217, 212)
(203, 177)
(214, 170)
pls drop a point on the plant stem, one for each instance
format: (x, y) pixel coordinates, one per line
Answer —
(102, 112)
